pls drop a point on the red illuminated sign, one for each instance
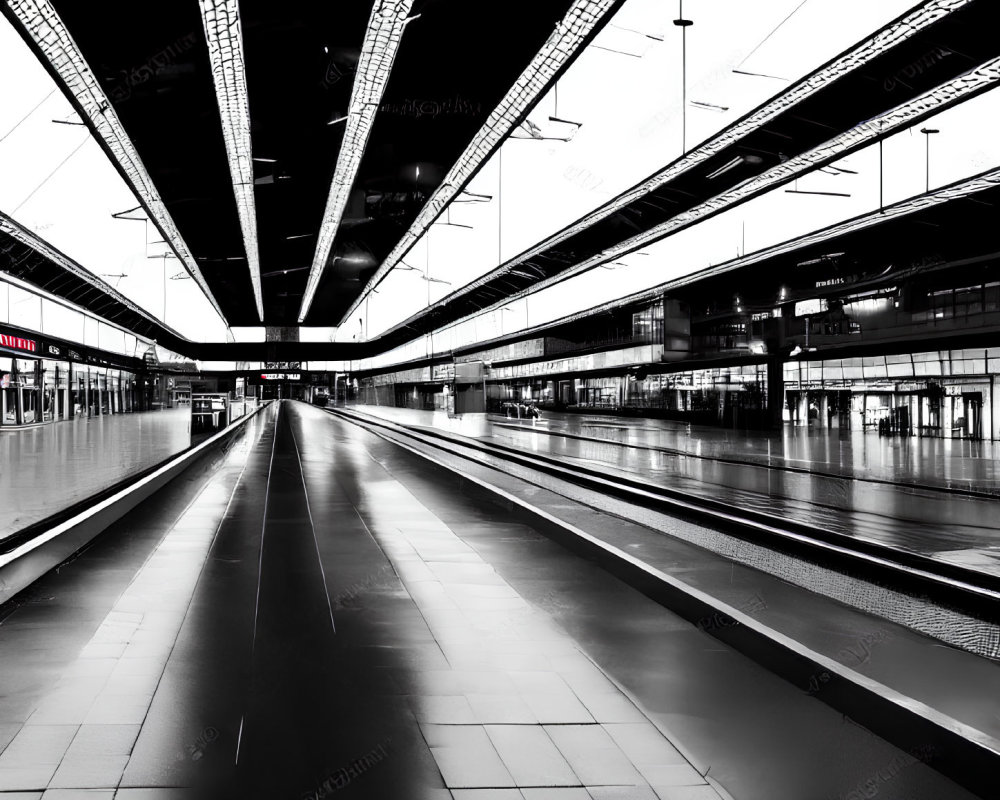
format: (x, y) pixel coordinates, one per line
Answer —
(17, 343)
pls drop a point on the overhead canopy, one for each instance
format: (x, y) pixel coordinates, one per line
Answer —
(321, 163)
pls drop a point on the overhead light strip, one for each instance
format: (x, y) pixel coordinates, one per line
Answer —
(44, 27)
(382, 40)
(902, 29)
(224, 35)
(571, 32)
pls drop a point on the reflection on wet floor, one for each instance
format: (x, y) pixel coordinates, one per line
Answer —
(955, 463)
(960, 528)
(49, 468)
(327, 613)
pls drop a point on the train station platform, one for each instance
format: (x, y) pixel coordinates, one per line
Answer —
(913, 510)
(52, 467)
(959, 464)
(324, 612)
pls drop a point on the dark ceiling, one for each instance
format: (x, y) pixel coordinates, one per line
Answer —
(455, 63)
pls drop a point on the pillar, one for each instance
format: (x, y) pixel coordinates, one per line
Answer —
(824, 410)
(803, 408)
(775, 392)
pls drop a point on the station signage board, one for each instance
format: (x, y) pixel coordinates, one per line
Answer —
(280, 376)
(18, 343)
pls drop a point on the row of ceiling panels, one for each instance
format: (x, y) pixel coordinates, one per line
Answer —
(300, 63)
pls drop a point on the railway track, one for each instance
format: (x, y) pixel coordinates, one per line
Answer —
(952, 585)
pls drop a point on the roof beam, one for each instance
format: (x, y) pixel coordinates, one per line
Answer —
(224, 35)
(382, 40)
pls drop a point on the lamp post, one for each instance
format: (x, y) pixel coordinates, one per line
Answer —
(927, 156)
(683, 24)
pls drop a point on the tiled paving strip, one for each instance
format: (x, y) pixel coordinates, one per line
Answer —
(521, 707)
(81, 735)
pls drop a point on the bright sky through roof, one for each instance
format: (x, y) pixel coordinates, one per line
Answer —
(58, 183)
(629, 105)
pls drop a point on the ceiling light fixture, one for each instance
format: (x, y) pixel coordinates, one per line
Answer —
(571, 32)
(382, 40)
(473, 197)
(126, 214)
(224, 35)
(758, 75)
(729, 165)
(654, 37)
(709, 106)
(43, 26)
(826, 194)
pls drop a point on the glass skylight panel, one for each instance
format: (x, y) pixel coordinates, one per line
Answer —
(224, 35)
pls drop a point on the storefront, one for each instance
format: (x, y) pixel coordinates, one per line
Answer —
(45, 381)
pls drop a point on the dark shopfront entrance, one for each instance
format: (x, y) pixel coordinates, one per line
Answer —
(820, 408)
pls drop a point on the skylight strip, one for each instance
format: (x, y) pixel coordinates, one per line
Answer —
(224, 35)
(382, 40)
(912, 23)
(43, 25)
(562, 44)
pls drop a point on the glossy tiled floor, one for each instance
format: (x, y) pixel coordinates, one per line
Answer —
(957, 463)
(325, 614)
(49, 468)
(957, 528)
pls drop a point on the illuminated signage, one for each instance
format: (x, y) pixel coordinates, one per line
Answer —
(279, 376)
(815, 306)
(17, 343)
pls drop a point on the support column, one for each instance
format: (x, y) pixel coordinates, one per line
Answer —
(824, 411)
(775, 392)
(803, 409)
(68, 406)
